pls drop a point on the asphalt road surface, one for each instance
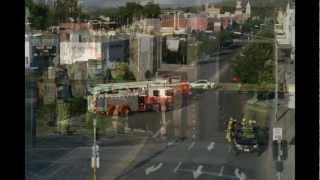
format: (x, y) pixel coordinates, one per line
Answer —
(206, 156)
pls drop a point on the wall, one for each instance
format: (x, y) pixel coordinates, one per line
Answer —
(71, 52)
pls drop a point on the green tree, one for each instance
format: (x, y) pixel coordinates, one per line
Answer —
(123, 73)
(254, 65)
(66, 9)
(38, 15)
(151, 10)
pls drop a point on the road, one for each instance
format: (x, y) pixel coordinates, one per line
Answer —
(206, 155)
(182, 160)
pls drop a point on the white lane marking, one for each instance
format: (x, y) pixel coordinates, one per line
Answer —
(177, 168)
(240, 175)
(197, 172)
(221, 171)
(191, 146)
(153, 169)
(211, 146)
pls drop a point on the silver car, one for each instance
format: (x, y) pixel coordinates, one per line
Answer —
(202, 84)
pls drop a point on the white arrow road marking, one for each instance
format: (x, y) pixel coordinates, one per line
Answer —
(240, 175)
(153, 169)
(211, 146)
(197, 172)
(193, 136)
(237, 172)
(213, 174)
(191, 146)
(221, 171)
(177, 168)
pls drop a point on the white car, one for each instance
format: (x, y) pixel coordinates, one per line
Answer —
(202, 84)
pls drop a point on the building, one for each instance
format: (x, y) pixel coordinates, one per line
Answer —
(27, 51)
(114, 51)
(174, 49)
(176, 21)
(144, 55)
(151, 25)
(217, 27)
(45, 50)
(80, 42)
(212, 11)
(197, 23)
(285, 61)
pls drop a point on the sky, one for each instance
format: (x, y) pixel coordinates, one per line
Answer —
(113, 3)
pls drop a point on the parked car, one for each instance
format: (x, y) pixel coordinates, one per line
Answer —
(202, 84)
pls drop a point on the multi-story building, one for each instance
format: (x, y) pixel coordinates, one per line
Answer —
(145, 55)
(285, 45)
(212, 10)
(44, 50)
(285, 78)
(174, 49)
(197, 23)
(80, 42)
(115, 50)
(27, 51)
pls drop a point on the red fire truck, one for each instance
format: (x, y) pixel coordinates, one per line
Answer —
(135, 96)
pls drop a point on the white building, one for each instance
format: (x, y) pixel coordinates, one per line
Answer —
(27, 51)
(285, 48)
(80, 46)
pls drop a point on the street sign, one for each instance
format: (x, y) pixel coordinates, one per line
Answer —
(277, 134)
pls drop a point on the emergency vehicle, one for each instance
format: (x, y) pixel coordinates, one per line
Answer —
(135, 96)
(246, 135)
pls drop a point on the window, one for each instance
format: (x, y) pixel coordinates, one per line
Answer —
(169, 93)
(156, 92)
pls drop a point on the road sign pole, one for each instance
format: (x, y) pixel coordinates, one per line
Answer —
(94, 150)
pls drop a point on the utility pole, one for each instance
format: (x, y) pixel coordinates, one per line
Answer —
(276, 78)
(95, 160)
